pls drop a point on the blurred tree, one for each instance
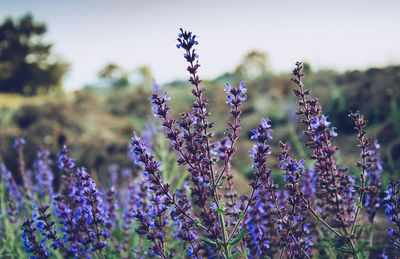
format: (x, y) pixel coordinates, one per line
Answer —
(307, 70)
(26, 63)
(146, 76)
(253, 65)
(115, 75)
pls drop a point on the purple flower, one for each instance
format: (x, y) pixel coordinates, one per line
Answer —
(392, 212)
(320, 122)
(235, 95)
(18, 142)
(30, 239)
(44, 175)
(186, 40)
(64, 162)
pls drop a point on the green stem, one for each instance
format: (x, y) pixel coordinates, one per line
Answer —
(224, 239)
(319, 218)
(354, 248)
(242, 215)
(282, 252)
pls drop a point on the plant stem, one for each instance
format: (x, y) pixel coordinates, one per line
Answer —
(320, 219)
(282, 252)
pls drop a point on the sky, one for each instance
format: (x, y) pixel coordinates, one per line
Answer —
(339, 34)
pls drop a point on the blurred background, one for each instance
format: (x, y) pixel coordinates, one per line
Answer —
(79, 72)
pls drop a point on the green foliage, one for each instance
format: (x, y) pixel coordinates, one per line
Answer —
(27, 64)
(119, 110)
(394, 114)
(10, 242)
(253, 65)
(116, 76)
(239, 237)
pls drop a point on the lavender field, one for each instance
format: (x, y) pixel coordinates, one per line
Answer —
(250, 164)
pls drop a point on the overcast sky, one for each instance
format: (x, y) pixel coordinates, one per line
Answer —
(329, 34)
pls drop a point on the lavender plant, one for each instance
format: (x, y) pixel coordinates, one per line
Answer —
(317, 213)
(224, 229)
(392, 211)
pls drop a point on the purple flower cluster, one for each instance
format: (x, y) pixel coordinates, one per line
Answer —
(30, 240)
(79, 210)
(333, 186)
(14, 197)
(43, 174)
(190, 137)
(372, 197)
(392, 211)
(152, 218)
(293, 223)
(19, 146)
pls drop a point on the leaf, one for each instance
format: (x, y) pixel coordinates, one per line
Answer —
(220, 211)
(239, 237)
(235, 255)
(317, 217)
(332, 241)
(341, 242)
(209, 242)
(222, 183)
(340, 255)
(347, 250)
(359, 232)
(242, 215)
(359, 204)
(197, 223)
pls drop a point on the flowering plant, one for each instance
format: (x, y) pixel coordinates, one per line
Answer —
(317, 212)
(232, 227)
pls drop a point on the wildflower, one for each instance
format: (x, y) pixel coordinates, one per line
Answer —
(235, 95)
(331, 179)
(392, 212)
(44, 175)
(30, 240)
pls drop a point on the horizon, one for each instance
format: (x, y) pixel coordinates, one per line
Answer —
(90, 34)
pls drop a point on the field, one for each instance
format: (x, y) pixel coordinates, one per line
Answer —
(295, 165)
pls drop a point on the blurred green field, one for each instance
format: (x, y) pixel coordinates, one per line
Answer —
(97, 123)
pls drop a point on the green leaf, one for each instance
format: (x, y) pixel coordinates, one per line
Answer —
(317, 217)
(208, 242)
(197, 223)
(235, 255)
(220, 211)
(332, 241)
(340, 255)
(359, 204)
(347, 250)
(241, 216)
(239, 237)
(359, 232)
(222, 183)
